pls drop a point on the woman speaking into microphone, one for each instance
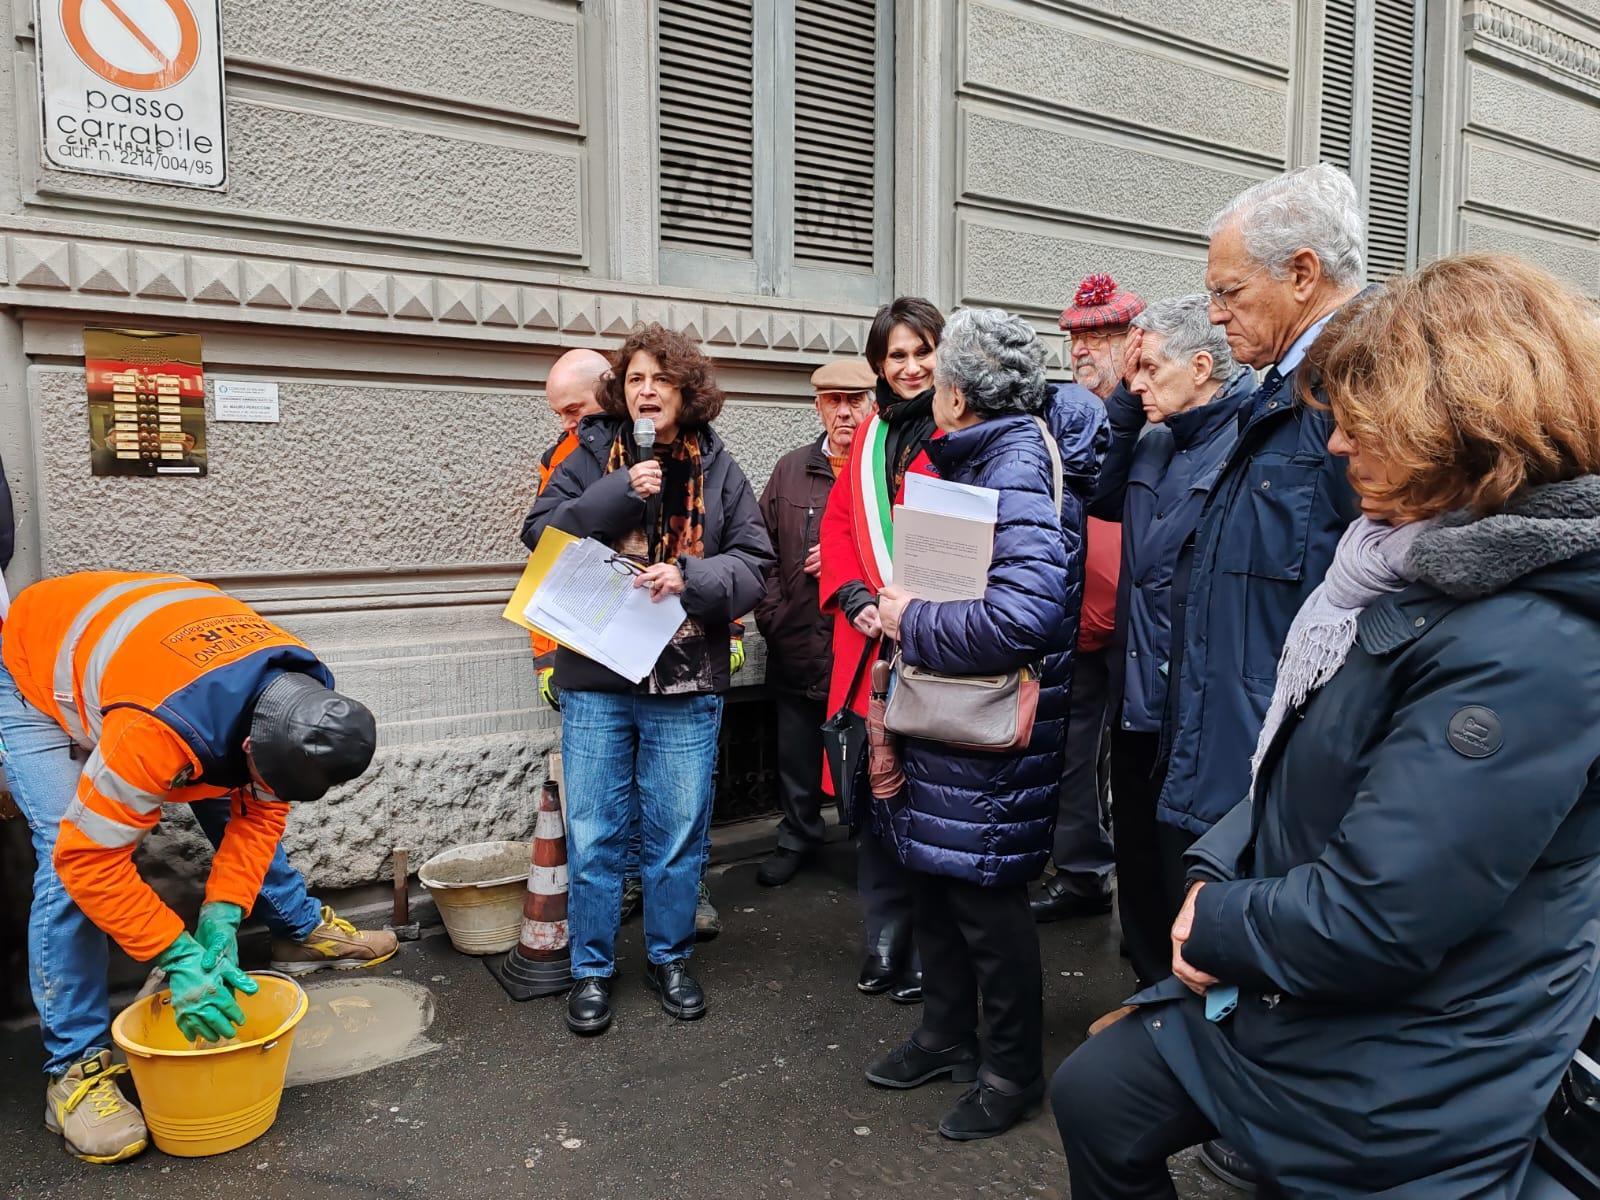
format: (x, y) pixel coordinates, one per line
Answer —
(683, 520)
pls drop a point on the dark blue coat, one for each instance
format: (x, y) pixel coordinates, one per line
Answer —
(1414, 921)
(1157, 485)
(1271, 524)
(988, 818)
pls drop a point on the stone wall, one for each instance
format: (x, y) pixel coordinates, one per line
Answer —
(1522, 154)
(1102, 137)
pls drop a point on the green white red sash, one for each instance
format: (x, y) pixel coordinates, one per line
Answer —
(873, 507)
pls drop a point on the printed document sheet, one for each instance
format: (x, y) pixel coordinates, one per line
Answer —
(587, 602)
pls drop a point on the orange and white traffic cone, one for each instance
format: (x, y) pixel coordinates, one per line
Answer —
(541, 962)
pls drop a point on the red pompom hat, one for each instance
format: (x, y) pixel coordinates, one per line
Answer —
(1100, 304)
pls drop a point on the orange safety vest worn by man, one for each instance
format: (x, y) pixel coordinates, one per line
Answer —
(128, 692)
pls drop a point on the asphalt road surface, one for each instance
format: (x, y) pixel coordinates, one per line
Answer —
(762, 1098)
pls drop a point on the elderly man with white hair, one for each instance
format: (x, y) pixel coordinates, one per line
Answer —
(1284, 257)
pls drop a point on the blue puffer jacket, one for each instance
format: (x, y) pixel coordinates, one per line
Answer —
(988, 818)
(1156, 486)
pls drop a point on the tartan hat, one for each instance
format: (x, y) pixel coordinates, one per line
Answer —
(1100, 304)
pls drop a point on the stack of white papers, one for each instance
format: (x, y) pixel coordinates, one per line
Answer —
(588, 603)
(944, 538)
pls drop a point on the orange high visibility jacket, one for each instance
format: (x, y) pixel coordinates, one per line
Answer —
(543, 647)
(156, 678)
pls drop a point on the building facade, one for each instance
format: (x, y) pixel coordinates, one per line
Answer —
(429, 200)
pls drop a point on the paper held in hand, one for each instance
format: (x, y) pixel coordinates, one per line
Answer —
(944, 538)
(588, 603)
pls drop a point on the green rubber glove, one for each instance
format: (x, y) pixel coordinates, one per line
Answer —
(735, 655)
(217, 931)
(202, 996)
(548, 691)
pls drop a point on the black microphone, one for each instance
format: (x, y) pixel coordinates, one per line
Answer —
(644, 437)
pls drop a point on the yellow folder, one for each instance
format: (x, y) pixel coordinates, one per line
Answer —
(551, 543)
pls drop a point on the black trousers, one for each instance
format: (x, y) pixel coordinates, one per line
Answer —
(799, 721)
(887, 902)
(1121, 1112)
(1150, 882)
(1083, 850)
(981, 940)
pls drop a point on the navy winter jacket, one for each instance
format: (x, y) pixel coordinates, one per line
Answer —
(1157, 485)
(1409, 906)
(988, 818)
(1272, 522)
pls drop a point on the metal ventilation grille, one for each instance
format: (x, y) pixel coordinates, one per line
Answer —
(1338, 81)
(707, 97)
(835, 131)
(1391, 165)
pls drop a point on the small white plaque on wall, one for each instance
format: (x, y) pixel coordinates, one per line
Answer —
(246, 400)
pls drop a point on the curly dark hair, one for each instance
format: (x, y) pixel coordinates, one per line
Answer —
(681, 359)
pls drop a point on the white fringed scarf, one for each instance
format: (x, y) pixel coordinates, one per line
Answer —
(1368, 565)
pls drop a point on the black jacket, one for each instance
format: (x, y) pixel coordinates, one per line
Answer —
(583, 500)
(799, 637)
(1411, 906)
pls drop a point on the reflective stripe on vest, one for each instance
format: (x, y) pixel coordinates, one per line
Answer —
(111, 641)
(102, 831)
(61, 680)
(114, 787)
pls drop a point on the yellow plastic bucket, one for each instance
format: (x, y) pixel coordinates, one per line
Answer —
(209, 1101)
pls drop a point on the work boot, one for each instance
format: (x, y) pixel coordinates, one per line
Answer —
(985, 1111)
(334, 944)
(95, 1120)
(707, 924)
(782, 866)
(632, 899)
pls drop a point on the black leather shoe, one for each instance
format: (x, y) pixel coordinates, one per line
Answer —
(908, 988)
(1057, 899)
(783, 865)
(681, 996)
(589, 1006)
(1228, 1165)
(877, 974)
(908, 1065)
(986, 1112)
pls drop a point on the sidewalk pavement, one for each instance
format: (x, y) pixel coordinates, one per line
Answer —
(762, 1098)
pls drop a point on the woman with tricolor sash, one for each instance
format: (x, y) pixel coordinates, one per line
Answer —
(857, 541)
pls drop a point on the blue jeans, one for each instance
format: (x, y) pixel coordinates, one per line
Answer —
(623, 753)
(67, 953)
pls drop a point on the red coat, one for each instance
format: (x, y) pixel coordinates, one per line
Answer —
(1101, 565)
(842, 562)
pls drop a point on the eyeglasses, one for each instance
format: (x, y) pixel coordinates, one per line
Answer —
(1219, 296)
(1095, 339)
(625, 564)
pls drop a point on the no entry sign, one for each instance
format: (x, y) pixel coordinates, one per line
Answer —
(133, 88)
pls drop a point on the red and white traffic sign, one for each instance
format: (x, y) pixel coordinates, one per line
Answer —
(133, 88)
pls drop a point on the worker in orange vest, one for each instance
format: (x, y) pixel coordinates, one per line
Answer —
(122, 693)
(572, 390)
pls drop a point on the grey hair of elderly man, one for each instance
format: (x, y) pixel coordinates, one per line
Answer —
(995, 360)
(1186, 330)
(1283, 255)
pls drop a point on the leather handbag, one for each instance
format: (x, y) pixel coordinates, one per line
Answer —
(993, 713)
(844, 745)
